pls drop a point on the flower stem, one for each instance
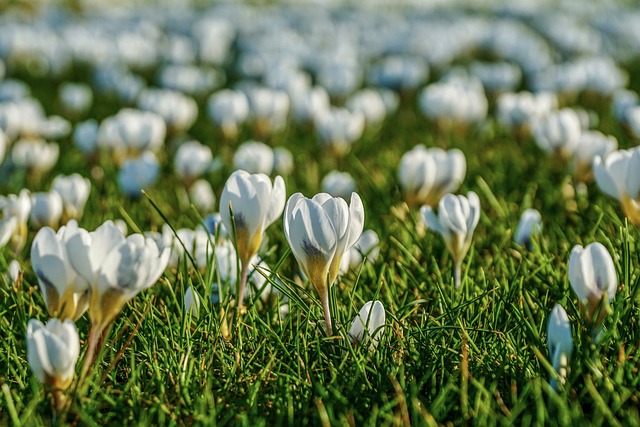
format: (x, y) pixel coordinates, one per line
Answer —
(457, 273)
(244, 272)
(327, 313)
(94, 337)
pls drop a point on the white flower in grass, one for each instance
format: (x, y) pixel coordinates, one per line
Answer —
(117, 268)
(138, 174)
(530, 225)
(319, 231)
(590, 145)
(191, 161)
(132, 131)
(519, 110)
(617, 176)
(370, 103)
(368, 325)
(15, 214)
(65, 293)
(593, 277)
(255, 203)
(201, 195)
(228, 109)
(338, 184)
(426, 175)
(46, 209)
(457, 100)
(269, 108)
(3, 144)
(456, 220)
(52, 351)
(560, 343)
(282, 161)
(178, 110)
(36, 155)
(254, 157)
(226, 263)
(339, 128)
(368, 245)
(310, 104)
(74, 191)
(214, 225)
(75, 98)
(558, 132)
(191, 302)
(85, 137)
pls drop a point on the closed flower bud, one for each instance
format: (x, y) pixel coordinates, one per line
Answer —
(46, 209)
(52, 351)
(368, 325)
(530, 225)
(456, 220)
(560, 343)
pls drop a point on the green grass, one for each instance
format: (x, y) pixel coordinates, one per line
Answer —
(477, 355)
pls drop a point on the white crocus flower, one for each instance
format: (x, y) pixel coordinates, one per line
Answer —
(338, 128)
(617, 176)
(269, 109)
(593, 277)
(65, 293)
(229, 109)
(191, 161)
(75, 98)
(255, 203)
(191, 302)
(371, 319)
(46, 209)
(117, 268)
(426, 175)
(530, 225)
(590, 145)
(456, 220)
(138, 174)
(15, 214)
(319, 231)
(202, 196)
(178, 110)
(52, 351)
(254, 157)
(131, 132)
(74, 191)
(558, 132)
(338, 184)
(36, 155)
(560, 343)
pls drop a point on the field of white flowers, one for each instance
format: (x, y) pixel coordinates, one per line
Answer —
(328, 214)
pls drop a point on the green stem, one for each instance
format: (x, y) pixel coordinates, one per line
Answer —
(244, 272)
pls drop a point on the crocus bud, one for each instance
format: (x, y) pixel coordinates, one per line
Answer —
(74, 191)
(319, 231)
(201, 195)
(593, 277)
(590, 145)
(617, 176)
(15, 211)
(46, 209)
(191, 161)
(52, 351)
(426, 175)
(65, 293)
(338, 128)
(229, 109)
(138, 174)
(456, 220)
(560, 343)
(255, 204)
(530, 225)
(370, 318)
(254, 157)
(191, 302)
(558, 132)
(338, 184)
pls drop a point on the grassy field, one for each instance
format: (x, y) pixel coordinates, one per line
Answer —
(477, 355)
